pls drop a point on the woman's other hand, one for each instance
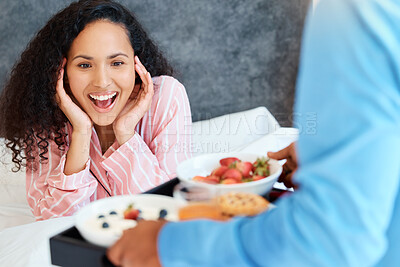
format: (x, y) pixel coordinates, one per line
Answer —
(80, 121)
(290, 167)
(137, 105)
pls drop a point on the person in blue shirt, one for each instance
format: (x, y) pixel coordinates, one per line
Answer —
(346, 210)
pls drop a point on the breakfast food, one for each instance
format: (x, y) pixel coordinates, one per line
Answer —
(111, 222)
(225, 207)
(115, 221)
(131, 213)
(201, 210)
(233, 171)
(241, 204)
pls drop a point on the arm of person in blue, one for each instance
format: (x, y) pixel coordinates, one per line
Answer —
(346, 211)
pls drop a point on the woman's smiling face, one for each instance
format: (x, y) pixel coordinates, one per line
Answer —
(100, 70)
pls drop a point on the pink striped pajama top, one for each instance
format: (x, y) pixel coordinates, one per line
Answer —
(162, 140)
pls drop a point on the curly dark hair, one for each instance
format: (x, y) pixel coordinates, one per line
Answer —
(29, 114)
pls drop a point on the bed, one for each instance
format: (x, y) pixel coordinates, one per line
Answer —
(24, 242)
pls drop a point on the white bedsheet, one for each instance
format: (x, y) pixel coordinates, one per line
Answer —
(13, 214)
(28, 245)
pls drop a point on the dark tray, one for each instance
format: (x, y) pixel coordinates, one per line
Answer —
(68, 248)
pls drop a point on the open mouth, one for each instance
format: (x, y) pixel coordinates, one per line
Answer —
(103, 101)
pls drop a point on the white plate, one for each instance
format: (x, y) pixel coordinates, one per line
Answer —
(90, 226)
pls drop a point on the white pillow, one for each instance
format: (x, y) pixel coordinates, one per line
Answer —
(12, 185)
(231, 131)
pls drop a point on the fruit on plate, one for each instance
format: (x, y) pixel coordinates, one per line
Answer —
(244, 167)
(220, 171)
(234, 174)
(131, 213)
(211, 179)
(261, 167)
(234, 171)
(227, 161)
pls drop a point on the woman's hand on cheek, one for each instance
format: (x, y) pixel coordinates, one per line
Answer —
(80, 121)
(137, 105)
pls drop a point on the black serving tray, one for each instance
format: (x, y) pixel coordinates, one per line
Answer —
(69, 248)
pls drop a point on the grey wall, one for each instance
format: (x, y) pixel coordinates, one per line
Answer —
(231, 55)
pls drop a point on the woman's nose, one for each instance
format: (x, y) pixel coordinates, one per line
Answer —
(102, 77)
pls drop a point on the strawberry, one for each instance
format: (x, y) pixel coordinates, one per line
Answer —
(244, 167)
(131, 213)
(212, 179)
(198, 178)
(219, 171)
(232, 174)
(229, 181)
(227, 161)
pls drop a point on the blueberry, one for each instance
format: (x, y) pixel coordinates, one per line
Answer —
(184, 190)
(105, 225)
(139, 218)
(140, 211)
(101, 216)
(113, 213)
(163, 213)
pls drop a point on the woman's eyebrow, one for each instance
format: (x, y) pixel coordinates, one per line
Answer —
(83, 56)
(109, 57)
(116, 55)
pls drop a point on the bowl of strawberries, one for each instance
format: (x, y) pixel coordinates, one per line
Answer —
(227, 172)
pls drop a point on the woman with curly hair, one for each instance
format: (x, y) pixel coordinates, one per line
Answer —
(83, 114)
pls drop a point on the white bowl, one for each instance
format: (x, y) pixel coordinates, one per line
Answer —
(149, 204)
(203, 165)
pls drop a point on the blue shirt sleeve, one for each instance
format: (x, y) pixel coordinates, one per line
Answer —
(348, 113)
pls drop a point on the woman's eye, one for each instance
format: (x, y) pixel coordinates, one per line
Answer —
(118, 63)
(84, 66)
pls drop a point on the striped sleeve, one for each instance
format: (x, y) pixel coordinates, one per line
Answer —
(151, 156)
(51, 193)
